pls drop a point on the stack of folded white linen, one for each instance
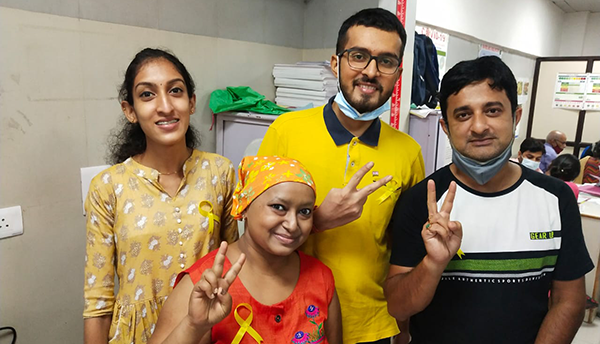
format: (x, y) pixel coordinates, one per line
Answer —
(303, 83)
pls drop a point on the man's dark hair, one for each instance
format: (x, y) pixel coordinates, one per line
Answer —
(532, 145)
(565, 167)
(372, 17)
(469, 72)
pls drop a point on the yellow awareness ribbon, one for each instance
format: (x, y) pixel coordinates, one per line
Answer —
(460, 253)
(210, 215)
(389, 189)
(245, 325)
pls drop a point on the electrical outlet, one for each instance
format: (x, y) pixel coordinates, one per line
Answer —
(11, 222)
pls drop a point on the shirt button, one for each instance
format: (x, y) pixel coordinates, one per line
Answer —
(177, 209)
(182, 266)
(179, 220)
(181, 243)
(352, 164)
(278, 318)
(179, 230)
(181, 255)
(354, 143)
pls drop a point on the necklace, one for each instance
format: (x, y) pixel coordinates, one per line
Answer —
(166, 174)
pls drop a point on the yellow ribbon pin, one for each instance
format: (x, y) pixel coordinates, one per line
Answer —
(245, 325)
(460, 253)
(390, 188)
(210, 215)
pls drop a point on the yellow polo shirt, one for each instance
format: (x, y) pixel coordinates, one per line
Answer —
(357, 253)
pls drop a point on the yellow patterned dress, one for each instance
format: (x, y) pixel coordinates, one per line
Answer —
(148, 237)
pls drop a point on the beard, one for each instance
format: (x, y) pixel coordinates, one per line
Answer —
(365, 103)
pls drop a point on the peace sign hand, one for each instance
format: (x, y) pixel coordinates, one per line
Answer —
(441, 236)
(210, 302)
(342, 206)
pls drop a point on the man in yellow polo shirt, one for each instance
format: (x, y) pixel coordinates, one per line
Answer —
(334, 141)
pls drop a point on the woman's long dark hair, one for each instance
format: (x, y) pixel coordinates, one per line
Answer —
(129, 138)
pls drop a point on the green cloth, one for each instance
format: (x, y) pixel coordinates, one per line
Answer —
(242, 98)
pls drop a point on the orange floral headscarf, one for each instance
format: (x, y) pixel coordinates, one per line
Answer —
(258, 173)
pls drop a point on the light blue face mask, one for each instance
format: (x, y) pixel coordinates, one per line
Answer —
(482, 171)
(351, 112)
(533, 165)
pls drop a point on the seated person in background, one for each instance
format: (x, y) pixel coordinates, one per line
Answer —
(279, 295)
(530, 153)
(565, 167)
(556, 141)
(592, 165)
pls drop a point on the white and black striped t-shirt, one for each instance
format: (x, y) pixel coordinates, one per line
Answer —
(515, 241)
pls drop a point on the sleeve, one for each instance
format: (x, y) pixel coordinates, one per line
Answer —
(410, 213)
(229, 226)
(418, 169)
(544, 162)
(329, 282)
(98, 290)
(271, 143)
(573, 258)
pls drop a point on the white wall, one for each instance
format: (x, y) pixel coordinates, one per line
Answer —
(323, 18)
(573, 35)
(581, 34)
(591, 44)
(532, 27)
(58, 88)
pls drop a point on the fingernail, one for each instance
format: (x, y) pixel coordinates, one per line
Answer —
(221, 291)
(216, 291)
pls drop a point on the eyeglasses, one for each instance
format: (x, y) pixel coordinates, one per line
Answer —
(359, 60)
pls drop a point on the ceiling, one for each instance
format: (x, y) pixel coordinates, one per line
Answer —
(570, 6)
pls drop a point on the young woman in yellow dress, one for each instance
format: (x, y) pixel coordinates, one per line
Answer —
(162, 206)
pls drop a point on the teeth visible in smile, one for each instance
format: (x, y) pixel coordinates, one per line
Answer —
(169, 122)
(368, 87)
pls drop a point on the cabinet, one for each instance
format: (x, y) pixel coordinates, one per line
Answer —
(434, 143)
(237, 130)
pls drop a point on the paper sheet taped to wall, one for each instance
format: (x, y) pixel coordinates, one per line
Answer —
(577, 91)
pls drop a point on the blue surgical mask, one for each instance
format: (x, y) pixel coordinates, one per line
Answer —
(481, 171)
(351, 112)
(533, 165)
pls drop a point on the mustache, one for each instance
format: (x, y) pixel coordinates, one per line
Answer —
(484, 136)
(366, 79)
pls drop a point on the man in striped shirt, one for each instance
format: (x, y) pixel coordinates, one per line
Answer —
(479, 244)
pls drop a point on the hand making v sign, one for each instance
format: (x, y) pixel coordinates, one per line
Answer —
(210, 302)
(342, 206)
(441, 236)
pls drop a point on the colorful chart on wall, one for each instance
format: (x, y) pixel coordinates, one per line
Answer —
(592, 93)
(522, 90)
(569, 91)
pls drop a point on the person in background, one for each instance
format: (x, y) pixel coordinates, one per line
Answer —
(530, 153)
(478, 245)
(565, 167)
(163, 205)
(284, 296)
(334, 141)
(592, 165)
(556, 142)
